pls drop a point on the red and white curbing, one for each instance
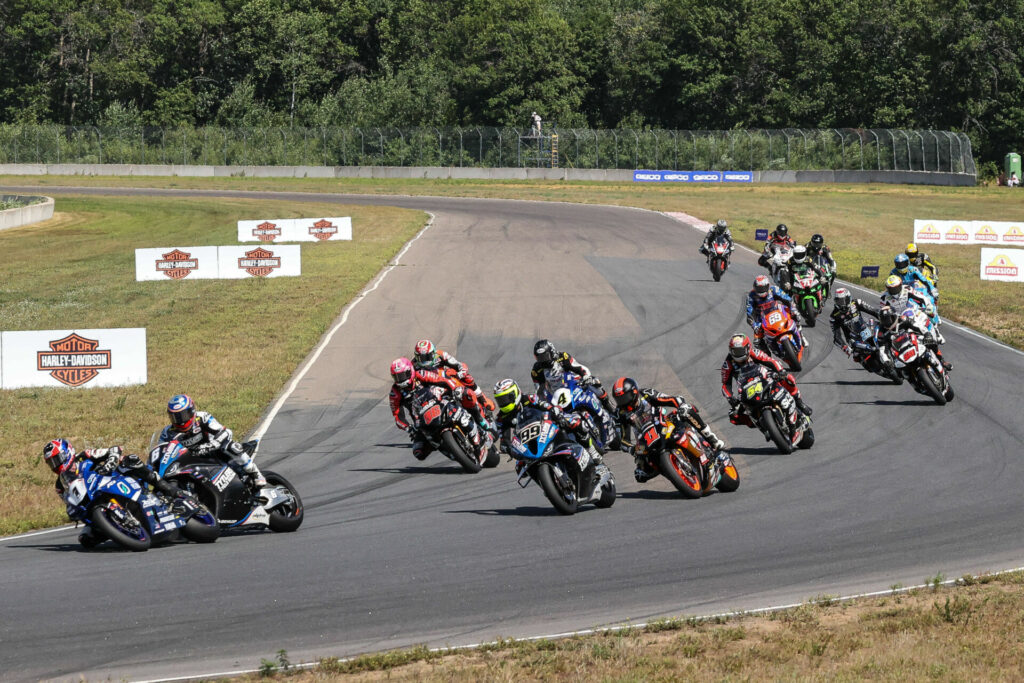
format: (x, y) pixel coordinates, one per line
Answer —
(701, 225)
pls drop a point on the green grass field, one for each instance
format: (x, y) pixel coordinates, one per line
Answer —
(231, 344)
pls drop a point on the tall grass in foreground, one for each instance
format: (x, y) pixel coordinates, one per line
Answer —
(231, 344)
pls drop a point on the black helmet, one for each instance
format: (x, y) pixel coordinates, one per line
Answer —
(781, 230)
(626, 394)
(544, 351)
(817, 240)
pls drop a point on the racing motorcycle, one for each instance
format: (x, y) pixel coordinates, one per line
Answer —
(123, 510)
(867, 349)
(809, 295)
(680, 454)
(778, 266)
(218, 487)
(566, 391)
(917, 363)
(566, 472)
(442, 422)
(782, 336)
(718, 256)
(825, 266)
(765, 404)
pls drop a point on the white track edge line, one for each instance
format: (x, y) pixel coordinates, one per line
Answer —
(732, 614)
(29, 534)
(310, 360)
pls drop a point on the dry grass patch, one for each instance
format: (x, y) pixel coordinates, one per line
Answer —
(231, 344)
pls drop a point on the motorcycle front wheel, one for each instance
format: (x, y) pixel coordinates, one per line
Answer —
(717, 268)
(790, 355)
(458, 453)
(924, 377)
(680, 469)
(112, 523)
(285, 517)
(563, 498)
(810, 311)
(770, 424)
(202, 527)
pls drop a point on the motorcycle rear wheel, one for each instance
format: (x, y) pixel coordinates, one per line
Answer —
(291, 518)
(454, 448)
(678, 468)
(771, 425)
(925, 379)
(565, 501)
(103, 520)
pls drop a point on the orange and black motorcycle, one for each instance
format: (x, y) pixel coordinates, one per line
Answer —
(674, 449)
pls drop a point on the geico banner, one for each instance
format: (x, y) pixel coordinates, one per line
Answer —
(641, 176)
(176, 263)
(1002, 264)
(296, 229)
(968, 232)
(276, 260)
(73, 358)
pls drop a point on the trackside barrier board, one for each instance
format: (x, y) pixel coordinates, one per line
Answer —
(273, 230)
(969, 232)
(1006, 265)
(176, 263)
(644, 176)
(272, 260)
(73, 358)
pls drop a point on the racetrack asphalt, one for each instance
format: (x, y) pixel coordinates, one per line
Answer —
(395, 552)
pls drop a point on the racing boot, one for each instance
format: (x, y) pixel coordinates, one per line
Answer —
(184, 505)
(643, 472)
(715, 442)
(803, 407)
(88, 538)
(254, 478)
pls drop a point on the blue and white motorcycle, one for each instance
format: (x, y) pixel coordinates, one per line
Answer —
(568, 392)
(123, 510)
(566, 472)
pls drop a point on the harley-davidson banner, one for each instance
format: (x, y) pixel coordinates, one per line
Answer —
(278, 230)
(176, 263)
(73, 358)
(270, 260)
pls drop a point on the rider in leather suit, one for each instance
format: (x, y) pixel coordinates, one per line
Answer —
(429, 357)
(845, 313)
(764, 293)
(547, 357)
(719, 229)
(742, 357)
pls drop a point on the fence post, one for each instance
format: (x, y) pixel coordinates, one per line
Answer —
(842, 147)
(636, 149)
(786, 135)
(56, 135)
(750, 146)
(500, 143)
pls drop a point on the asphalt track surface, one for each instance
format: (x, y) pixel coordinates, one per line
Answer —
(395, 552)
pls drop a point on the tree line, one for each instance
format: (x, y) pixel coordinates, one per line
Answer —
(677, 64)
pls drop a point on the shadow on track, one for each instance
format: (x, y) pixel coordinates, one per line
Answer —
(751, 450)
(413, 469)
(521, 511)
(884, 402)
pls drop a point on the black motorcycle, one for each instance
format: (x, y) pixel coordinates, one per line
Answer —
(718, 256)
(766, 405)
(443, 423)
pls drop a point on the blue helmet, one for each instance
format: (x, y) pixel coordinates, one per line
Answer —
(902, 262)
(182, 411)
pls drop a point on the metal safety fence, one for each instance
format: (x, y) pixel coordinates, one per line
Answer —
(761, 149)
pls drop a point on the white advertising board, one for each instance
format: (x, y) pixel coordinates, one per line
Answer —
(73, 358)
(176, 263)
(1006, 265)
(271, 260)
(968, 232)
(273, 230)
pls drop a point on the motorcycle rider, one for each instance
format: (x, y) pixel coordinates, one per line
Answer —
(758, 299)
(63, 460)
(429, 357)
(638, 406)
(547, 357)
(719, 229)
(890, 321)
(846, 312)
(898, 296)
(778, 239)
(800, 264)
(817, 251)
(910, 275)
(923, 263)
(742, 352)
(510, 402)
(400, 397)
(202, 434)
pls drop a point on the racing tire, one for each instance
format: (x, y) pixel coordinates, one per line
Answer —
(678, 469)
(608, 494)
(291, 518)
(200, 530)
(566, 502)
(454, 448)
(770, 425)
(493, 458)
(112, 530)
(949, 395)
(717, 268)
(925, 379)
(730, 480)
(807, 440)
(790, 355)
(810, 312)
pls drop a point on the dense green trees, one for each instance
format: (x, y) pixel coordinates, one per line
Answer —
(950, 64)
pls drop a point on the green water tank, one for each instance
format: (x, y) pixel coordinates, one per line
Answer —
(1011, 164)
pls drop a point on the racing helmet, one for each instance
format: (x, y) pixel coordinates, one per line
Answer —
(842, 299)
(182, 411)
(762, 286)
(403, 374)
(894, 285)
(721, 225)
(507, 396)
(739, 348)
(544, 351)
(426, 354)
(911, 251)
(902, 262)
(626, 394)
(59, 455)
(781, 230)
(799, 255)
(817, 240)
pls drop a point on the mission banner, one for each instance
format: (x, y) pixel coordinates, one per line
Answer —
(968, 232)
(73, 358)
(1006, 265)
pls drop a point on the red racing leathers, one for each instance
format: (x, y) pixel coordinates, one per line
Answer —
(399, 400)
(760, 363)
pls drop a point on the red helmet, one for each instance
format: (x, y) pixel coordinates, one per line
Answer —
(739, 348)
(426, 354)
(59, 455)
(626, 394)
(402, 373)
(762, 285)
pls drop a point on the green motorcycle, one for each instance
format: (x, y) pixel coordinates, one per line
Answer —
(809, 295)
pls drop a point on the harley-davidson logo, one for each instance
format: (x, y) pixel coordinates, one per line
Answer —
(73, 360)
(957, 234)
(1002, 265)
(929, 233)
(259, 262)
(1014, 234)
(986, 234)
(323, 229)
(266, 232)
(177, 264)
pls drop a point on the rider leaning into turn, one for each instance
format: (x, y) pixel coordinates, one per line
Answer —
(800, 265)
(922, 262)
(742, 352)
(429, 357)
(64, 460)
(778, 239)
(202, 435)
(890, 321)
(758, 300)
(910, 275)
(719, 229)
(816, 247)
(547, 357)
(639, 406)
(845, 313)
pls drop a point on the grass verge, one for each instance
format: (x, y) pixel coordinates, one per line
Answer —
(864, 224)
(231, 344)
(966, 632)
